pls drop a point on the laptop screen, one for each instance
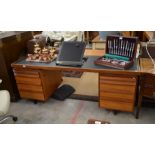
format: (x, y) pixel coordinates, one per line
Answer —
(71, 52)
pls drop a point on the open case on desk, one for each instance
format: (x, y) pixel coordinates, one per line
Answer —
(120, 52)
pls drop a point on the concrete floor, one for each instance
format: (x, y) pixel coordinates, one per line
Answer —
(87, 80)
(72, 111)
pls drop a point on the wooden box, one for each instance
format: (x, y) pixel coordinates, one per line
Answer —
(119, 53)
(11, 47)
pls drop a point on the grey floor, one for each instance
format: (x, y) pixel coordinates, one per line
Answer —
(72, 111)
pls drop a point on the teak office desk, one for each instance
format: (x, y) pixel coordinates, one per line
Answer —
(117, 88)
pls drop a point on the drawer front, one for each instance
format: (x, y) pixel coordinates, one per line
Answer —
(122, 106)
(32, 95)
(31, 88)
(117, 101)
(116, 96)
(23, 76)
(26, 73)
(118, 80)
(27, 80)
(117, 93)
(113, 88)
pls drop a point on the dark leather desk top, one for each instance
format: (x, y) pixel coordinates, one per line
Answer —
(88, 66)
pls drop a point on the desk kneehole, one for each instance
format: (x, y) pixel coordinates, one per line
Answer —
(37, 84)
(117, 92)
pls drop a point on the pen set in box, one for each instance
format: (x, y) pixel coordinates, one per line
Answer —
(119, 53)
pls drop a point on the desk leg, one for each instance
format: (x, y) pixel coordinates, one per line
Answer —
(139, 98)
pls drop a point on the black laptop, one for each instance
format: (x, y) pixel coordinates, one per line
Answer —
(71, 53)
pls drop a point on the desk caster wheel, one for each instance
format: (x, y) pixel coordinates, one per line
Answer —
(137, 116)
(15, 119)
(115, 112)
(35, 102)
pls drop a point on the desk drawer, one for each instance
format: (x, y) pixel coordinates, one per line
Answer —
(117, 101)
(28, 80)
(126, 81)
(31, 88)
(26, 73)
(117, 105)
(117, 93)
(116, 96)
(122, 89)
(32, 95)
(23, 76)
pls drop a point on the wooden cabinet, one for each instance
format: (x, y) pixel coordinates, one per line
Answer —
(12, 46)
(37, 84)
(117, 92)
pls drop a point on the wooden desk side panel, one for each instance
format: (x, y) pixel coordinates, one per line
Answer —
(50, 81)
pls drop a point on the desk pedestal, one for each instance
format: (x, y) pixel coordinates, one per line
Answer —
(117, 92)
(37, 84)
